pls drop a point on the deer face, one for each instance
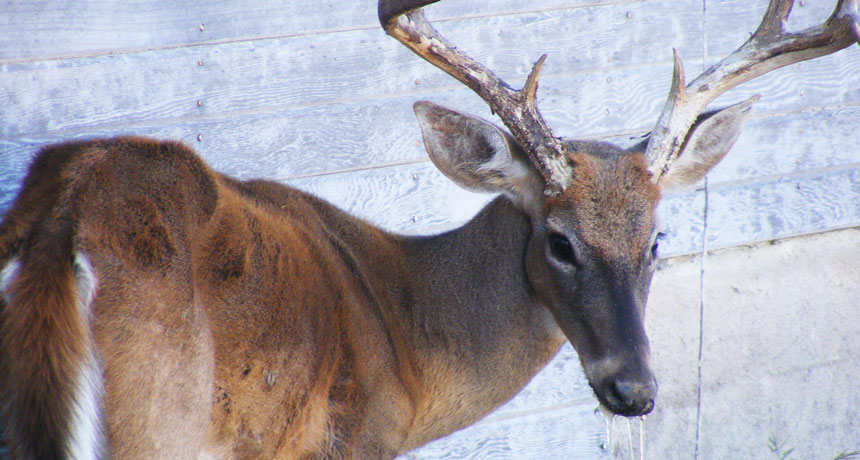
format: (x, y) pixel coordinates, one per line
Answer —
(592, 248)
(591, 259)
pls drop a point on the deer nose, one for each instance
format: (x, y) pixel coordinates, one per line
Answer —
(634, 398)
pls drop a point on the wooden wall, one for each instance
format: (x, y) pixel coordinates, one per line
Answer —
(313, 93)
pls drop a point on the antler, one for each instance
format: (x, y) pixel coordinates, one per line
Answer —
(769, 48)
(403, 20)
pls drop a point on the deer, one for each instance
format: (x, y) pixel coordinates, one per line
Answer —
(154, 308)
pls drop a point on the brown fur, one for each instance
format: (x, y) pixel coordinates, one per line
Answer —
(245, 320)
(612, 204)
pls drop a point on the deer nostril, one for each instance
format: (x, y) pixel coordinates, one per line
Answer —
(635, 398)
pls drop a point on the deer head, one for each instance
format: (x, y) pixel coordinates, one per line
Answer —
(592, 205)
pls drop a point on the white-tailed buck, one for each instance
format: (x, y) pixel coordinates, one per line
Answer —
(153, 308)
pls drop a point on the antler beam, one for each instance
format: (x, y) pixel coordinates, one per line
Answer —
(769, 48)
(405, 21)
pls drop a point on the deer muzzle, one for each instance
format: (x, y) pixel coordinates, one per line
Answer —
(616, 358)
(627, 393)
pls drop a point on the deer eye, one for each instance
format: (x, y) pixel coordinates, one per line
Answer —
(561, 248)
(655, 248)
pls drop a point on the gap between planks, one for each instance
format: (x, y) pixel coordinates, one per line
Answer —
(275, 109)
(512, 415)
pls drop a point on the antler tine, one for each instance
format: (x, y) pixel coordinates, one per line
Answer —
(848, 9)
(405, 21)
(769, 48)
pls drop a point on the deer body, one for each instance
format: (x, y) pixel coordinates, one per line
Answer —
(379, 334)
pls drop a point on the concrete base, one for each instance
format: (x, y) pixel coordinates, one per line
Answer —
(757, 346)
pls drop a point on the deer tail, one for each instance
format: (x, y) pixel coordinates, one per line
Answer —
(51, 375)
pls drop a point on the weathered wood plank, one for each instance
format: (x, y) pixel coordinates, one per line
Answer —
(410, 199)
(293, 143)
(792, 143)
(738, 214)
(341, 131)
(742, 17)
(588, 104)
(416, 199)
(785, 207)
(40, 30)
(569, 432)
(771, 147)
(628, 100)
(264, 75)
(682, 221)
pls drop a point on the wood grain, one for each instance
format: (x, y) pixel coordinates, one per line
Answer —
(770, 148)
(787, 144)
(790, 206)
(744, 15)
(378, 132)
(94, 27)
(583, 105)
(569, 432)
(263, 75)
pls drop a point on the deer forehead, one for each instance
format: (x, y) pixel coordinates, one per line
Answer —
(610, 205)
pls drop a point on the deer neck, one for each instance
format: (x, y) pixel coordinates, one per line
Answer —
(477, 335)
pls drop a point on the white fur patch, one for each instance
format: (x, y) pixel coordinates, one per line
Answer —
(86, 441)
(8, 275)
(515, 178)
(85, 281)
(87, 438)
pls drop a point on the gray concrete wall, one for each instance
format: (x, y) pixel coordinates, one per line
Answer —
(756, 343)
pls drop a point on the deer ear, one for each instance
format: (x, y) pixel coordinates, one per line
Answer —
(711, 137)
(477, 155)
